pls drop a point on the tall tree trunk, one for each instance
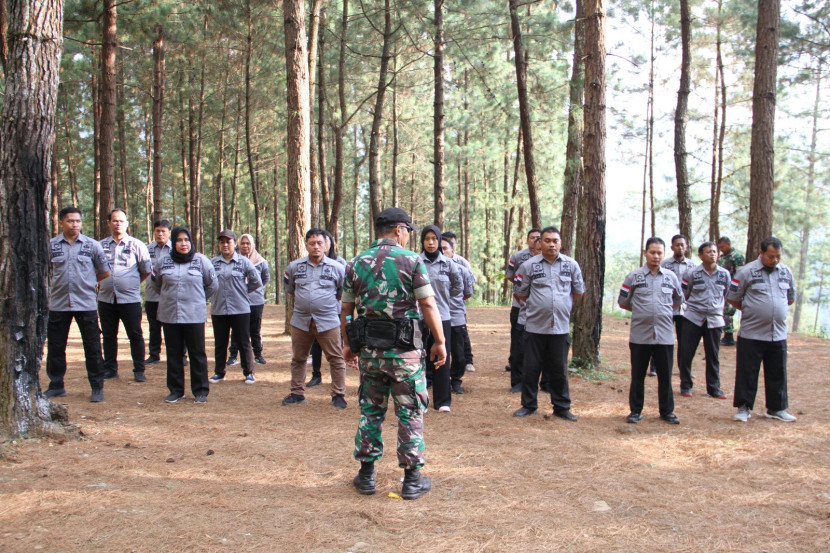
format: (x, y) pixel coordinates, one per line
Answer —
(107, 131)
(806, 225)
(377, 115)
(714, 220)
(648, 159)
(521, 58)
(249, 146)
(573, 150)
(340, 127)
(122, 138)
(684, 201)
(220, 170)
(277, 265)
(321, 132)
(96, 150)
(590, 247)
(158, 122)
(314, 177)
(438, 116)
(4, 45)
(395, 145)
(148, 183)
(55, 169)
(464, 182)
(762, 146)
(32, 73)
(70, 159)
(233, 216)
(195, 192)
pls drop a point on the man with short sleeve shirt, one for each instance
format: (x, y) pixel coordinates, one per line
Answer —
(516, 359)
(763, 290)
(316, 282)
(157, 247)
(679, 264)
(77, 263)
(119, 295)
(548, 283)
(651, 293)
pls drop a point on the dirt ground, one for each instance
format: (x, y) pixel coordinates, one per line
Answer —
(244, 473)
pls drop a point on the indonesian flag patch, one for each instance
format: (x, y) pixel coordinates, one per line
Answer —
(625, 290)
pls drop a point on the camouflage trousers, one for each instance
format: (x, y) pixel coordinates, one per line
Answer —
(404, 380)
(728, 313)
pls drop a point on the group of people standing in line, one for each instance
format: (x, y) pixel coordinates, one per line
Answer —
(412, 318)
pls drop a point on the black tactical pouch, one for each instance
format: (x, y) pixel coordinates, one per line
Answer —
(356, 333)
(381, 333)
(410, 334)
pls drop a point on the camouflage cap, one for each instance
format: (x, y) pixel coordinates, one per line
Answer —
(392, 215)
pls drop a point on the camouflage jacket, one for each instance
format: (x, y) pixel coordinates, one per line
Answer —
(386, 281)
(731, 261)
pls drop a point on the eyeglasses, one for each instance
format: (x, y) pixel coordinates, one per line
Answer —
(406, 226)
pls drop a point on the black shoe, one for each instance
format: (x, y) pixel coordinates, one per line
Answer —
(293, 399)
(315, 381)
(728, 339)
(634, 418)
(55, 392)
(200, 399)
(567, 415)
(139, 377)
(152, 360)
(671, 418)
(97, 395)
(260, 360)
(173, 398)
(232, 360)
(524, 412)
(652, 372)
(109, 375)
(517, 389)
(364, 482)
(415, 484)
(339, 401)
(507, 368)
(456, 387)
(544, 388)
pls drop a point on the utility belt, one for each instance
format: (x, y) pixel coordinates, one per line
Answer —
(405, 334)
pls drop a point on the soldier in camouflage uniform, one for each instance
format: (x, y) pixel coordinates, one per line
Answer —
(730, 259)
(387, 282)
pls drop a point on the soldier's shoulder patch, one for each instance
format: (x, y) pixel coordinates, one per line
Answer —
(625, 290)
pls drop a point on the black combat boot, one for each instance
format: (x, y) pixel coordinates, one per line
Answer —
(364, 482)
(728, 339)
(415, 484)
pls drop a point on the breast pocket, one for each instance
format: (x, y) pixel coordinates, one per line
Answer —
(564, 283)
(667, 295)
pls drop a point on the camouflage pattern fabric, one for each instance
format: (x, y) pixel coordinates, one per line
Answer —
(730, 262)
(404, 381)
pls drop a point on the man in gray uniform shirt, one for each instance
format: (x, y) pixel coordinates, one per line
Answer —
(158, 246)
(548, 283)
(119, 295)
(78, 263)
(705, 290)
(678, 263)
(316, 282)
(651, 293)
(514, 362)
(763, 290)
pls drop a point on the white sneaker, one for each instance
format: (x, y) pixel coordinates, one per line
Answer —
(742, 415)
(470, 368)
(444, 409)
(780, 415)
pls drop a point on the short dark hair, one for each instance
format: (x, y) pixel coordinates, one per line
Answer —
(67, 210)
(449, 234)
(387, 228)
(771, 241)
(679, 236)
(724, 240)
(705, 245)
(116, 210)
(550, 229)
(655, 240)
(534, 229)
(314, 232)
(448, 240)
(162, 223)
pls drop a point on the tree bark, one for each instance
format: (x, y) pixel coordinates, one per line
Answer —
(438, 117)
(648, 158)
(684, 201)
(762, 145)
(249, 146)
(96, 150)
(521, 58)
(32, 73)
(158, 122)
(122, 138)
(277, 265)
(590, 250)
(340, 127)
(321, 132)
(107, 130)
(377, 115)
(315, 178)
(573, 150)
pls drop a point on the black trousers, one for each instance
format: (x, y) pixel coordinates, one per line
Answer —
(154, 341)
(750, 355)
(439, 377)
(222, 325)
(687, 347)
(678, 333)
(316, 359)
(546, 354)
(468, 347)
(515, 336)
(661, 356)
(255, 332)
(130, 316)
(57, 334)
(176, 338)
(458, 363)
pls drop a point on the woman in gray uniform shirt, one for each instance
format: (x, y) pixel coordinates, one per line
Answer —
(184, 280)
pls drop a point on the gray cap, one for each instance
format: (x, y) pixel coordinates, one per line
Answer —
(227, 234)
(392, 215)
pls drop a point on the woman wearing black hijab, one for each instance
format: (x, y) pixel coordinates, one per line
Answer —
(446, 281)
(185, 280)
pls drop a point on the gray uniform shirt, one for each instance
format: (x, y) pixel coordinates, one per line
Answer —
(257, 297)
(679, 268)
(183, 289)
(549, 288)
(445, 277)
(458, 306)
(765, 295)
(74, 273)
(705, 295)
(236, 278)
(513, 265)
(316, 291)
(652, 299)
(156, 252)
(128, 259)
